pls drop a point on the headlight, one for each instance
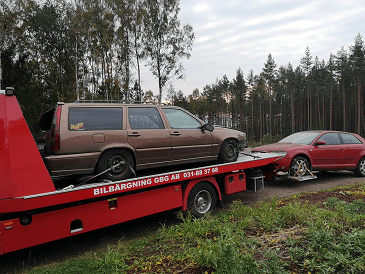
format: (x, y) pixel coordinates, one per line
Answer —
(282, 153)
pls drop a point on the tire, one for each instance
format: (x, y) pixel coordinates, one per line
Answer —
(229, 151)
(299, 166)
(111, 158)
(360, 169)
(202, 199)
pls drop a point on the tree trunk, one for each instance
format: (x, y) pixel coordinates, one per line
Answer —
(292, 111)
(344, 105)
(331, 119)
(358, 105)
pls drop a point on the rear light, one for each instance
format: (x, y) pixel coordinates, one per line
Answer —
(9, 91)
(55, 130)
(55, 141)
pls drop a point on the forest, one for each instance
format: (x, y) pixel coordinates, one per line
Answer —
(93, 50)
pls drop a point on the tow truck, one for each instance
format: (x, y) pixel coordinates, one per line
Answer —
(35, 210)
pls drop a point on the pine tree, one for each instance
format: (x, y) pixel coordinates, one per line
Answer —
(269, 76)
(306, 63)
(357, 62)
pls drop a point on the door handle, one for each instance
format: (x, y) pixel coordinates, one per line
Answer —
(176, 133)
(134, 134)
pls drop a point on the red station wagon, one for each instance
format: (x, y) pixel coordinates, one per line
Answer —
(93, 137)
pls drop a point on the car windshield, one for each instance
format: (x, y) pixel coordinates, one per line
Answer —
(304, 138)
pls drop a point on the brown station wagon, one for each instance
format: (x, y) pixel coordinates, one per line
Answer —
(93, 137)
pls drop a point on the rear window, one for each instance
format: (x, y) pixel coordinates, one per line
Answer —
(349, 139)
(45, 120)
(93, 118)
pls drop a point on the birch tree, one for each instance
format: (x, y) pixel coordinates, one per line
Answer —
(166, 43)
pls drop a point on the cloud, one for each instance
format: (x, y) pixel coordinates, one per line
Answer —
(235, 33)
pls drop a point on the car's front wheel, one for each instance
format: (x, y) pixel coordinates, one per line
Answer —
(110, 160)
(360, 169)
(299, 166)
(229, 151)
(202, 199)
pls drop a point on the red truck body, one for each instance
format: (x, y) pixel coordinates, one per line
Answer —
(33, 211)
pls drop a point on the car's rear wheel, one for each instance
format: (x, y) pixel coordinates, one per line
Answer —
(202, 199)
(360, 169)
(110, 159)
(299, 166)
(229, 151)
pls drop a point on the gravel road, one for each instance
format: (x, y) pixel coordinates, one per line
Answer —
(23, 260)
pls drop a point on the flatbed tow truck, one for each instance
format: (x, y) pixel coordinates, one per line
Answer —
(33, 210)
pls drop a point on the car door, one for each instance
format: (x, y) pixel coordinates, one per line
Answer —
(352, 148)
(330, 155)
(188, 140)
(148, 136)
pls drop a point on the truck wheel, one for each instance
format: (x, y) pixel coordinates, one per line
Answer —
(299, 166)
(111, 158)
(229, 151)
(360, 169)
(202, 199)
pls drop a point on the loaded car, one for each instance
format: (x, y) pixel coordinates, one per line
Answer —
(93, 137)
(319, 150)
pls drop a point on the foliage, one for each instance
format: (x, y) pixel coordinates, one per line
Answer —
(165, 42)
(89, 49)
(280, 101)
(276, 236)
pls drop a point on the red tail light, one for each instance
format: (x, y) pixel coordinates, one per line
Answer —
(55, 130)
(55, 141)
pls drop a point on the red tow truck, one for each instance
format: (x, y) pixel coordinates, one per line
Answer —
(33, 210)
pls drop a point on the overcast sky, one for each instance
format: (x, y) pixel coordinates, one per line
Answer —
(238, 33)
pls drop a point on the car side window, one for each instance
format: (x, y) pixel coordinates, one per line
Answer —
(179, 119)
(330, 138)
(144, 118)
(349, 139)
(95, 118)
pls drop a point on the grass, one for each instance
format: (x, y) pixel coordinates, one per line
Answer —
(291, 235)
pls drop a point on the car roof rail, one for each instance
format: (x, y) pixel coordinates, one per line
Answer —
(119, 102)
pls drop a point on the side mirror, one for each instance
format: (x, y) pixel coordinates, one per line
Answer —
(207, 127)
(320, 143)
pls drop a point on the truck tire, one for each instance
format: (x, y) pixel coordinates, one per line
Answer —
(299, 166)
(360, 169)
(111, 158)
(229, 151)
(202, 199)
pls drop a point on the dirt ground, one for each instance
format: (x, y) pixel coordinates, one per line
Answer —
(60, 250)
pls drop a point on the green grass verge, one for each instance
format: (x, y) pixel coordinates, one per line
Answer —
(270, 237)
